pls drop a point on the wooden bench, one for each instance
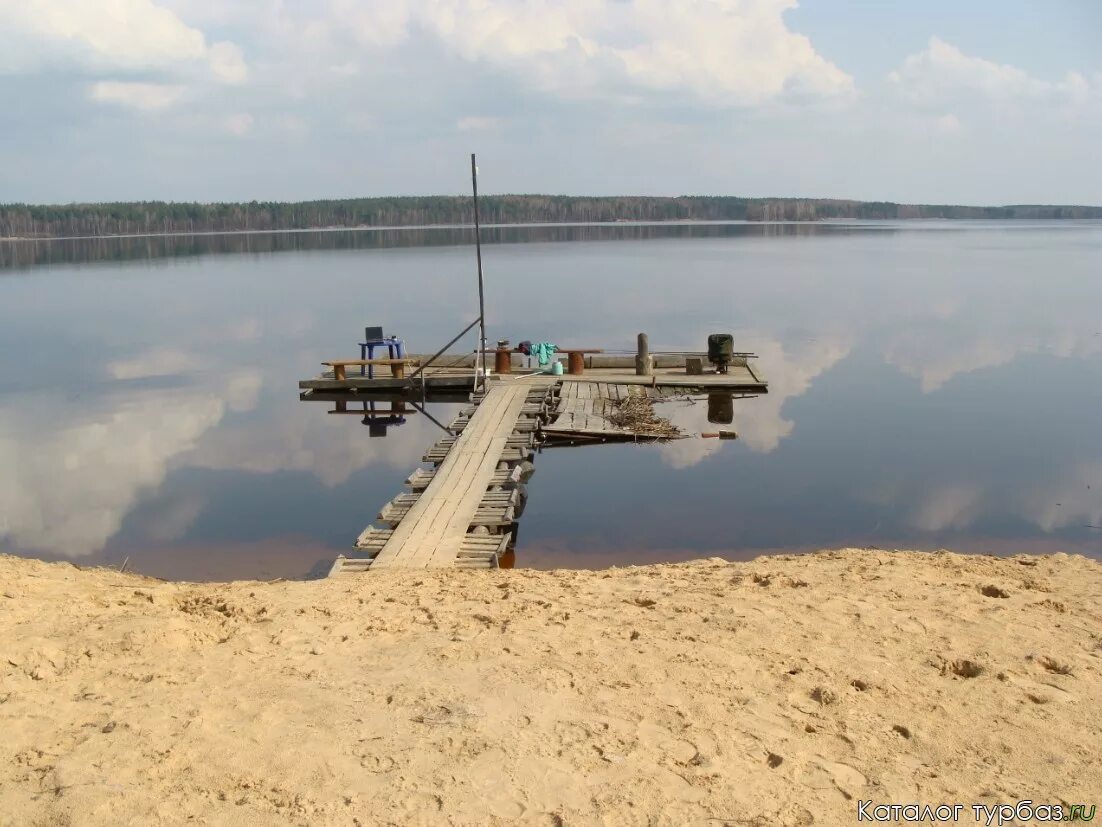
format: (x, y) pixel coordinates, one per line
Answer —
(397, 366)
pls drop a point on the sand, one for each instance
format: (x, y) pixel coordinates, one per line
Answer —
(781, 691)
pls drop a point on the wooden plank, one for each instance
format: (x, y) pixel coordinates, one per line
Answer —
(373, 539)
(456, 529)
(433, 530)
(420, 479)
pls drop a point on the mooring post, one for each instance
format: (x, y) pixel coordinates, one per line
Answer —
(644, 362)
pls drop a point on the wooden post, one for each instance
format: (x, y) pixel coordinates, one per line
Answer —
(480, 360)
(575, 363)
(644, 362)
(338, 372)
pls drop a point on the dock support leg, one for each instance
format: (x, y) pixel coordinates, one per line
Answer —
(644, 362)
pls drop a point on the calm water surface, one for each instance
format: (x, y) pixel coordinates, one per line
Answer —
(931, 385)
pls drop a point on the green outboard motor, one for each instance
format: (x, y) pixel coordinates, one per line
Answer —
(721, 350)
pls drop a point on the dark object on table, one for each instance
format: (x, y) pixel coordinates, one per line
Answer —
(373, 338)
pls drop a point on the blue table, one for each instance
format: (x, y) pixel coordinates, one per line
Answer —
(393, 347)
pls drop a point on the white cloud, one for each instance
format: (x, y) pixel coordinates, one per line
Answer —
(722, 52)
(759, 423)
(947, 124)
(112, 37)
(238, 124)
(66, 487)
(726, 52)
(339, 76)
(1073, 502)
(243, 391)
(171, 520)
(935, 360)
(474, 123)
(685, 453)
(123, 34)
(942, 71)
(70, 493)
(293, 125)
(360, 122)
(146, 97)
(226, 62)
(157, 362)
(949, 506)
(374, 23)
(290, 440)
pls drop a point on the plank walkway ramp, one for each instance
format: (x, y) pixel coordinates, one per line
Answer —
(431, 527)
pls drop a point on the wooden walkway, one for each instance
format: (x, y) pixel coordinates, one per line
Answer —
(431, 527)
(463, 513)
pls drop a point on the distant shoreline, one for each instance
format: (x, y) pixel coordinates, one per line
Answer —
(689, 222)
(131, 219)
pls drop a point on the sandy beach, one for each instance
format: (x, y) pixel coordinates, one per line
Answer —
(781, 691)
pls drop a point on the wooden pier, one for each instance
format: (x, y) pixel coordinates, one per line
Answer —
(456, 375)
(463, 512)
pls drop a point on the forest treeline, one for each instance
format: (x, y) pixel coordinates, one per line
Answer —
(51, 221)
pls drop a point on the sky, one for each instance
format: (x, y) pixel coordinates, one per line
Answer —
(930, 101)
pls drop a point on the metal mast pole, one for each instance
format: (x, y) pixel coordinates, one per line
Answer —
(480, 359)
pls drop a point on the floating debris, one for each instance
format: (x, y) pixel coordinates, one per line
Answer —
(636, 414)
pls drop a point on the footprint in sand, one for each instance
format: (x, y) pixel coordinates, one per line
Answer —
(679, 751)
(819, 773)
(570, 733)
(418, 806)
(962, 668)
(378, 764)
(1054, 666)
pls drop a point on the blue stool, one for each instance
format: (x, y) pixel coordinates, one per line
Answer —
(373, 338)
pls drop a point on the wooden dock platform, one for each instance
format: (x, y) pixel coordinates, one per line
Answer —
(457, 376)
(463, 512)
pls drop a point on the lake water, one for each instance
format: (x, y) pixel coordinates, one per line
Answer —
(931, 385)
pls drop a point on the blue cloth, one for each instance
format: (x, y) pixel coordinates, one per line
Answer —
(543, 351)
